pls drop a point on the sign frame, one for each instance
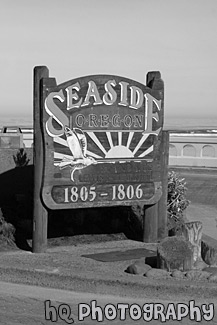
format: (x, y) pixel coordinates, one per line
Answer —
(154, 216)
(78, 192)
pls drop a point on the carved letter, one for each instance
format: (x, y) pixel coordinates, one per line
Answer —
(123, 85)
(73, 95)
(137, 98)
(55, 113)
(149, 115)
(110, 96)
(92, 92)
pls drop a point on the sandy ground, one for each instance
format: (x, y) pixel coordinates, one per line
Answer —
(22, 304)
(65, 267)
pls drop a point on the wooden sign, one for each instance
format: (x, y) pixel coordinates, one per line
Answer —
(102, 139)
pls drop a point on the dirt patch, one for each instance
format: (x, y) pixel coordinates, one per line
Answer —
(84, 239)
(67, 241)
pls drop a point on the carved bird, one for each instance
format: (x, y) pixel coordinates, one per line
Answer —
(77, 144)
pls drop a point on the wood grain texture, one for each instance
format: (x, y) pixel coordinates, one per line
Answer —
(150, 222)
(39, 211)
(155, 216)
(162, 204)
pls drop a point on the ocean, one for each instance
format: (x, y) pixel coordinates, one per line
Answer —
(16, 120)
(190, 122)
(170, 122)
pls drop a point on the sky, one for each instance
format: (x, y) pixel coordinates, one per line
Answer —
(74, 38)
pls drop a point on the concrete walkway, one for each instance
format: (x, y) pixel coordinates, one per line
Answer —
(201, 186)
(207, 215)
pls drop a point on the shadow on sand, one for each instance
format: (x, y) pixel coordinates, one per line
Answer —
(16, 202)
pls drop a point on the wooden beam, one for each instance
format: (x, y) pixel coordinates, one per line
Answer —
(155, 217)
(162, 204)
(39, 243)
(150, 223)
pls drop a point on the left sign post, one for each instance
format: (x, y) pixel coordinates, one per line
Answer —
(39, 243)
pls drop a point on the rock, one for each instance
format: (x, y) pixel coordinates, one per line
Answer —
(175, 253)
(213, 273)
(213, 277)
(197, 275)
(138, 267)
(178, 274)
(158, 274)
(200, 265)
(209, 250)
(211, 269)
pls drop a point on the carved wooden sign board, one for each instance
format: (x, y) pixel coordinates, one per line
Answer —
(102, 137)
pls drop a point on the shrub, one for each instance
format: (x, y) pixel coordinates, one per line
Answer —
(20, 158)
(176, 206)
(176, 200)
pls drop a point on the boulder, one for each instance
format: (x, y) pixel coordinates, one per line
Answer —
(213, 278)
(157, 274)
(178, 274)
(212, 270)
(175, 253)
(200, 265)
(139, 267)
(197, 275)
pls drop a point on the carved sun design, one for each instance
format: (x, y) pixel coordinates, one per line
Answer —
(109, 145)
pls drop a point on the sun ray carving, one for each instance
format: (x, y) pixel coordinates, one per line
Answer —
(120, 150)
(89, 153)
(58, 155)
(97, 142)
(119, 138)
(61, 141)
(131, 134)
(144, 137)
(108, 134)
(146, 152)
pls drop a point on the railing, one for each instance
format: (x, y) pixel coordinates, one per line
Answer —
(186, 149)
(16, 137)
(193, 149)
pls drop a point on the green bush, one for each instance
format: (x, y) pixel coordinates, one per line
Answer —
(176, 200)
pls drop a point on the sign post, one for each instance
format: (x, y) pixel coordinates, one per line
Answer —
(39, 237)
(155, 216)
(98, 143)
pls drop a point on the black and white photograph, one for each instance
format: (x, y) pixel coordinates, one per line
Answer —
(108, 162)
